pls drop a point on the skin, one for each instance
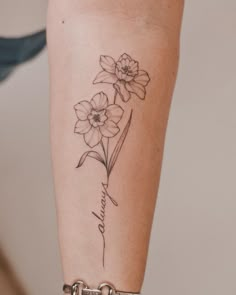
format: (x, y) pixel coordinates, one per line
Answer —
(78, 33)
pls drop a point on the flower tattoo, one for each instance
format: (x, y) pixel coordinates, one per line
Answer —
(97, 119)
(125, 76)
(98, 122)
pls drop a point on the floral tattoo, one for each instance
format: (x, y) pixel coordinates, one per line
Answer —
(125, 76)
(98, 120)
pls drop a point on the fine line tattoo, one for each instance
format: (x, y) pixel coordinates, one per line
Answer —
(98, 120)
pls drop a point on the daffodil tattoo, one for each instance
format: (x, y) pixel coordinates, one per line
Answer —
(98, 120)
(125, 76)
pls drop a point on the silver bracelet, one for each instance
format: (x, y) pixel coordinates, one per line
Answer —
(85, 290)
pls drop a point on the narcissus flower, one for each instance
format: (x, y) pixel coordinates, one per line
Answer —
(97, 119)
(125, 76)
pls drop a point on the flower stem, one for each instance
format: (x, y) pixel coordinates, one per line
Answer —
(105, 154)
(115, 96)
(105, 151)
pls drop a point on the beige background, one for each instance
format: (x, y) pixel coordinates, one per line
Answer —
(193, 242)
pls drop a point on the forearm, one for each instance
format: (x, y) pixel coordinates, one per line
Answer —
(105, 206)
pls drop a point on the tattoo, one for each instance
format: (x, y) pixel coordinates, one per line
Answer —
(98, 120)
(102, 215)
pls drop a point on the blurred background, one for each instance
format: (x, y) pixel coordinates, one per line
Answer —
(193, 245)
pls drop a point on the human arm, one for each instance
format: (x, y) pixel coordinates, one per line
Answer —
(80, 34)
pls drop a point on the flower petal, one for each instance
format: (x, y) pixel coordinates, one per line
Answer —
(133, 65)
(114, 113)
(124, 62)
(119, 73)
(108, 63)
(129, 78)
(83, 109)
(124, 56)
(82, 127)
(120, 86)
(109, 129)
(137, 89)
(105, 77)
(93, 137)
(142, 78)
(103, 118)
(99, 101)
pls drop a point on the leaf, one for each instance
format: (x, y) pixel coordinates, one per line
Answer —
(90, 154)
(119, 145)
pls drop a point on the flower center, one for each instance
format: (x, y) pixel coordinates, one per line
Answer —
(125, 69)
(97, 118)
